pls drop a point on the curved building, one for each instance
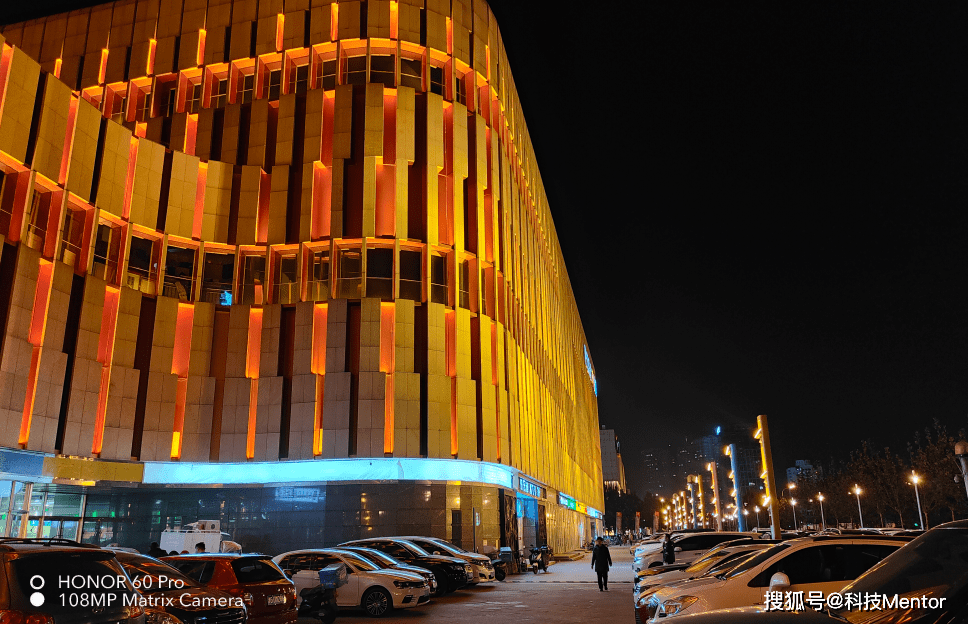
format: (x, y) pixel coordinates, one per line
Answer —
(289, 265)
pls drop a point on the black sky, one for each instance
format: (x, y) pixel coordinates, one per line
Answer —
(762, 207)
(762, 210)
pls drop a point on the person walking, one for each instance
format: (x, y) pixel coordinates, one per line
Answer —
(156, 551)
(200, 547)
(601, 561)
(668, 550)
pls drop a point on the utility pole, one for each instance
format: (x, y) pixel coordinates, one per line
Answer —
(766, 457)
(737, 493)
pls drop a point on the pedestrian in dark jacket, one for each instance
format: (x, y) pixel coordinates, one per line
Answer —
(668, 550)
(601, 561)
(156, 552)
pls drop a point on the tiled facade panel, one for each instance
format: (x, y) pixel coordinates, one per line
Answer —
(391, 179)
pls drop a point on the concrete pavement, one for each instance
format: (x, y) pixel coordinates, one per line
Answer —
(566, 594)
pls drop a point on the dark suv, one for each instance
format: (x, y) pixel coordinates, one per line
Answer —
(451, 573)
(56, 581)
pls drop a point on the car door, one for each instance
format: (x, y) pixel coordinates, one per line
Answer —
(347, 595)
(820, 567)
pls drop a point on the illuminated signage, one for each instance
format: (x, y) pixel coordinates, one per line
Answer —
(531, 489)
(569, 502)
(591, 371)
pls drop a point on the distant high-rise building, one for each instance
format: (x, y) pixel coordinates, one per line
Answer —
(613, 470)
(804, 470)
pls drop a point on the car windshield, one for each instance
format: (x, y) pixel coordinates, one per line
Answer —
(380, 558)
(153, 575)
(756, 560)
(359, 562)
(417, 550)
(450, 546)
(934, 565)
(729, 562)
(715, 553)
(444, 549)
(252, 570)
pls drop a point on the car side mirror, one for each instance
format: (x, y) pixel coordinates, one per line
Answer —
(678, 548)
(779, 582)
(436, 552)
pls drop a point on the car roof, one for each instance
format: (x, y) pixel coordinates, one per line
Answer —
(53, 544)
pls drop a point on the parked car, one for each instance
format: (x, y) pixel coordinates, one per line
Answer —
(481, 566)
(726, 552)
(655, 542)
(32, 574)
(823, 563)
(369, 587)
(166, 589)
(933, 566)
(451, 573)
(689, 547)
(269, 596)
(386, 561)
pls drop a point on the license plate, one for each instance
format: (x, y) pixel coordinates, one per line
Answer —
(275, 600)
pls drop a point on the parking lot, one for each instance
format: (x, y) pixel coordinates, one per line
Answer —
(567, 593)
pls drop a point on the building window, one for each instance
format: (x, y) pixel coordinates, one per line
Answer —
(72, 236)
(460, 90)
(438, 279)
(411, 73)
(319, 276)
(143, 110)
(286, 281)
(193, 96)
(142, 265)
(299, 79)
(218, 277)
(220, 90)
(37, 215)
(275, 84)
(179, 273)
(355, 70)
(437, 80)
(329, 75)
(107, 248)
(465, 285)
(246, 88)
(379, 272)
(253, 280)
(8, 186)
(410, 275)
(119, 104)
(381, 70)
(349, 278)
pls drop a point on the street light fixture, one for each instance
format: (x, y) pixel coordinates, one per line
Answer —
(757, 508)
(823, 520)
(793, 503)
(915, 479)
(860, 512)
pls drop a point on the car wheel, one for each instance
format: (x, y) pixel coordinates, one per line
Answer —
(377, 602)
(499, 574)
(443, 582)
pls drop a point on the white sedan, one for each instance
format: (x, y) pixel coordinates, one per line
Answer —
(376, 591)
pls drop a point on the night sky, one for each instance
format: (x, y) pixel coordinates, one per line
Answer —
(762, 208)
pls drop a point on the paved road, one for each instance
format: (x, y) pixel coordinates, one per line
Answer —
(566, 594)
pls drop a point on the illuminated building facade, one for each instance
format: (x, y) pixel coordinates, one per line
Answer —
(238, 237)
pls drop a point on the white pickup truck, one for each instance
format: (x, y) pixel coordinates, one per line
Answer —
(207, 531)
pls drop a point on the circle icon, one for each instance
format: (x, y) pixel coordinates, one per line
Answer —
(37, 599)
(37, 582)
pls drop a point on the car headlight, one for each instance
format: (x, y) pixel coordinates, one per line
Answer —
(676, 605)
(153, 616)
(406, 584)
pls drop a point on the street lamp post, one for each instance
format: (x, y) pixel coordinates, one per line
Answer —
(823, 521)
(860, 512)
(914, 479)
(757, 508)
(793, 503)
(961, 452)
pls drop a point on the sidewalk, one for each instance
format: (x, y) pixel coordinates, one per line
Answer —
(580, 571)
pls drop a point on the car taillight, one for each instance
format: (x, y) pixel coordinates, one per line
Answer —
(241, 593)
(24, 617)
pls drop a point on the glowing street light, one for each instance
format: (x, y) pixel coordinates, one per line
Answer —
(915, 479)
(823, 521)
(757, 508)
(793, 503)
(860, 512)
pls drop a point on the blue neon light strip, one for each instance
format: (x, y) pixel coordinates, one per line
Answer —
(329, 470)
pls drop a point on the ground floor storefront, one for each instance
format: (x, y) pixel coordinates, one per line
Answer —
(491, 506)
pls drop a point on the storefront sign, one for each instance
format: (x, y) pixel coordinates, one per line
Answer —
(531, 489)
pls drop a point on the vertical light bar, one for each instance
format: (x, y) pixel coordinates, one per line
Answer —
(129, 178)
(253, 358)
(57, 67)
(262, 214)
(387, 359)
(191, 132)
(450, 341)
(320, 317)
(394, 19)
(103, 69)
(333, 22)
(200, 201)
(200, 52)
(68, 141)
(38, 328)
(105, 355)
(181, 358)
(150, 64)
(280, 31)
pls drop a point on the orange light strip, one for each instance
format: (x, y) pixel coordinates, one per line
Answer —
(450, 341)
(322, 200)
(450, 36)
(318, 364)
(280, 32)
(141, 129)
(105, 355)
(150, 64)
(57, 67)
(68, 141)
(387, 357)
(35, 336)
(177, 434)
(129, 178)
(253, 357)
(200, 53)
(333, 22)
(394, 19)
(200, 201)
(103, 69)
(262, 212)
(182, 351)
(191, 131)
